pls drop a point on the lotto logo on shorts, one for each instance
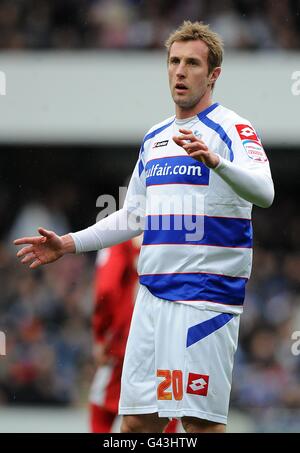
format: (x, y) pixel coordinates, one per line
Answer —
(197, 384)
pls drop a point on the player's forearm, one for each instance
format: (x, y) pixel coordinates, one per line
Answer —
(114, 229)
(250, 184)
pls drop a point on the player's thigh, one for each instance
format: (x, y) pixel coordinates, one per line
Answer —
(143, 423)
(198, 425)
(138, 384)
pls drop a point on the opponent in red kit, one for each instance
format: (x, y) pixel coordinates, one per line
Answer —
(116, 283)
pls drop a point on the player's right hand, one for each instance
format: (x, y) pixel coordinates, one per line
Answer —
(43, 249)
(100, 354)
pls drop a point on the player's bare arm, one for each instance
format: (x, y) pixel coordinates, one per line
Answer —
(196, 148)
(44, 249)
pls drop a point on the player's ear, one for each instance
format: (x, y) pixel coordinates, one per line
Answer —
(214, 75)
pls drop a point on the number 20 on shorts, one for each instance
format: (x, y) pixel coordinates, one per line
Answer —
(171, 385)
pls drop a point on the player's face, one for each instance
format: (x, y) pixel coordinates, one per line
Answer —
(188, 74)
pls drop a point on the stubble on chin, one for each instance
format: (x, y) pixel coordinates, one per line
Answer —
(185, 103)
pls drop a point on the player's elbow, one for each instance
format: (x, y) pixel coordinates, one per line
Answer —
(267, 198)
(264, 203)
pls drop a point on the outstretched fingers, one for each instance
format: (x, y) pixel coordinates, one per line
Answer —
(35, 264)
(30, 240)
(25, 250)
(29, 257)
(46, 233)
(39, 248)
(34, 240)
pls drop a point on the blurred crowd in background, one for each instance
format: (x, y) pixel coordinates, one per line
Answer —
(145, 24)
(46, 314)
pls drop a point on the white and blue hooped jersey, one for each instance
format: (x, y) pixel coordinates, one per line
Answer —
(197, 246)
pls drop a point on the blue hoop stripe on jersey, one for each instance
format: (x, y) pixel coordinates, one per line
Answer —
(219, 130)
(197, 287)
(176, 170)
(202, 330)
(217, 231)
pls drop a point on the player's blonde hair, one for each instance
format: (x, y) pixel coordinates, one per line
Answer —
(192, 31)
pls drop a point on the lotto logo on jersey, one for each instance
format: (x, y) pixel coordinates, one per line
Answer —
(246, 132)
(160, 144)
(197, 384)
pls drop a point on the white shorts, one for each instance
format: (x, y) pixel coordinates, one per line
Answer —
(178, 360)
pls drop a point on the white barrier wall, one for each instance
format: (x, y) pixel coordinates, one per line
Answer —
(115, 97)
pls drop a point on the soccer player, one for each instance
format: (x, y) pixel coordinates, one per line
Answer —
(197, 176)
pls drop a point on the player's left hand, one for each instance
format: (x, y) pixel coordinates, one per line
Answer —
(196, 148)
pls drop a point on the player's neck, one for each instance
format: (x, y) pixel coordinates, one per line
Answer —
(205, 102)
